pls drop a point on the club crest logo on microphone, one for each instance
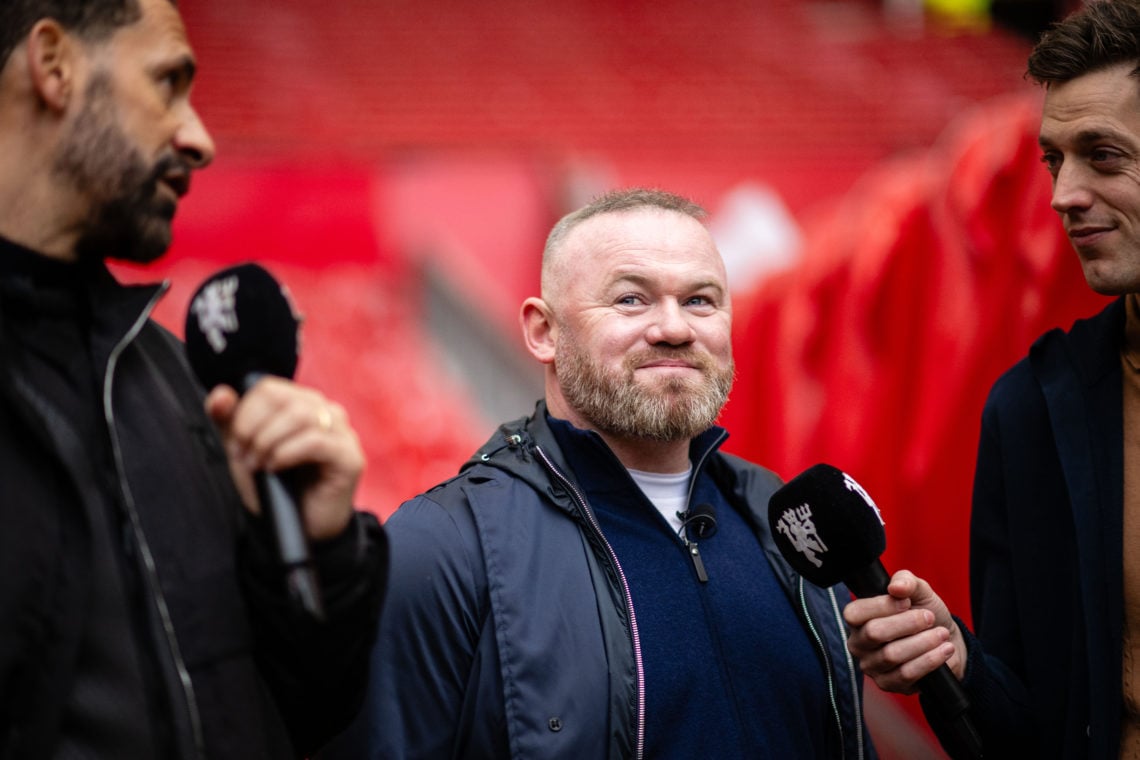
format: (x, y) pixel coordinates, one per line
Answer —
(215, 311)
(797, 525)
(852, 485)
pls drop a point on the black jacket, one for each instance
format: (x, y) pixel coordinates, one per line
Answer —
(1043, 673)
(248, 679)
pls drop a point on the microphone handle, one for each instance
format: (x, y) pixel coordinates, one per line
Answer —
(941, 686)
(946, 692)
(870, 581)
(293, 548)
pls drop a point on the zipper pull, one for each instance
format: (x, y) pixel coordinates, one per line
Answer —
(698, 563)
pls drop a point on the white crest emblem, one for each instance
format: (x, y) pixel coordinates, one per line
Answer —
(214, 308)
(796, 524)
(853, 486)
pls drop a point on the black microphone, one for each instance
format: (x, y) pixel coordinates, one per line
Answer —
(829, 530)
(240, 327)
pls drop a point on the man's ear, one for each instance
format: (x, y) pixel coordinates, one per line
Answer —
(51, 56)
(539, 329)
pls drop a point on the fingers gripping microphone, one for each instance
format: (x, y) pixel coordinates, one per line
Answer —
(240, 327)
(829, 530)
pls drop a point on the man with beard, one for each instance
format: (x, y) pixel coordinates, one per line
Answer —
(143, 611)
(600, 580)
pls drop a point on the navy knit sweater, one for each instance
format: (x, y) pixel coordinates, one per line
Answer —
(729, 668)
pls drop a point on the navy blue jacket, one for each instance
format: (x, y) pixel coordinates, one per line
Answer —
(509, 630)
(1043, 672)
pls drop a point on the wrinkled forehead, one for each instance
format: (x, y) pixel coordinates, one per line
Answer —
(649, 231)
(642, 242)
(1106, 100)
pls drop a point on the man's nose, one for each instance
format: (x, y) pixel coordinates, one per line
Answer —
(193, 141)
(671, 324)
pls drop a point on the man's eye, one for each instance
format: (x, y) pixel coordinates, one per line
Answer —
(1052, 162)
(175, 81)
(1104, 155)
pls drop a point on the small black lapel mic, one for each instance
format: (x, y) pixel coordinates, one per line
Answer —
(829, 530)
(240, 327)
(700, 521)
(697, 524)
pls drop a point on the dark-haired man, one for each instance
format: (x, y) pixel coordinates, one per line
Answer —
(142, 611)
(568, 594)
(1054, 668)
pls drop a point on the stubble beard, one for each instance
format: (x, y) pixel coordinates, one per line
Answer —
(128, 220)
(616, 404)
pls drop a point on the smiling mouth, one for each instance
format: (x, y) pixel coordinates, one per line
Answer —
(1087, 235)
(669, 369)
(667, 365)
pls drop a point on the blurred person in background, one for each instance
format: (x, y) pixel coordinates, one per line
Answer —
(1053, 666)
(599, 580)
(143, 611)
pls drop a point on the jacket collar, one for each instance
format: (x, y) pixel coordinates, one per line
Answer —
(514, 445)
(31, 280)
(1092, 345)
(113, 310)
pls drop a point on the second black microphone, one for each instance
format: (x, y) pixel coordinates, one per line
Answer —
(830, 530)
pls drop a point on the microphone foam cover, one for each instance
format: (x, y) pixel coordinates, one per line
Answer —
(826, 525)
(241, 321)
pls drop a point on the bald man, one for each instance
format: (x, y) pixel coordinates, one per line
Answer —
(599, 580)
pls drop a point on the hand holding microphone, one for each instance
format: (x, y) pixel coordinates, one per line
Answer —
(829, 530)
(295, 445)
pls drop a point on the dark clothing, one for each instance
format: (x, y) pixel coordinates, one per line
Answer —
(728, 669)
(142, 611)
(514, 630)
(47, 315)
(1044, 672)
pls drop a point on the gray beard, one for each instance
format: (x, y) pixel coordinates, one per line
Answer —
(614, 404)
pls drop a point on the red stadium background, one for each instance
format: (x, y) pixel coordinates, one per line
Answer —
(872, 173)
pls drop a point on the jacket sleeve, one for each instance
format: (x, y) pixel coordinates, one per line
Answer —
(316, 671)
(434, 642)
(1000, 704)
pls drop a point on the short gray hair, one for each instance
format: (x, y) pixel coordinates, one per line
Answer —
(616, 201)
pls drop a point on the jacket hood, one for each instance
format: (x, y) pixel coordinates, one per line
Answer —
(510, 449)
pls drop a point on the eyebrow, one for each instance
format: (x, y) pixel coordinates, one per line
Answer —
(645, 282)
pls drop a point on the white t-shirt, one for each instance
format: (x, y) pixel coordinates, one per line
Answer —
(669, 492)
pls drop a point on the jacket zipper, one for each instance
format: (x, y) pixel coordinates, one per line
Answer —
(826, 667)
(850, 673)
(639, 750)
(150, 570)
(691, 546)
(815, 636)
